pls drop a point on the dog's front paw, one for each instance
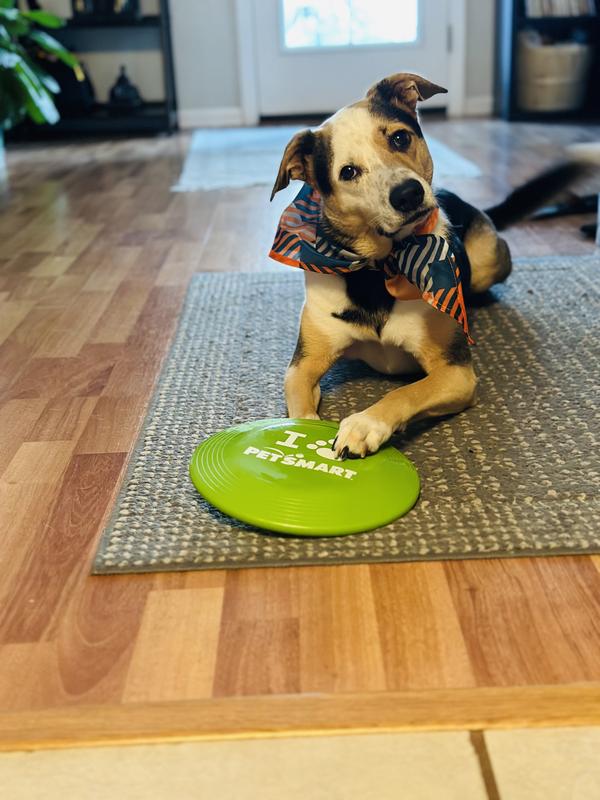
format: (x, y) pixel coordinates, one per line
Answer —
(361, 434)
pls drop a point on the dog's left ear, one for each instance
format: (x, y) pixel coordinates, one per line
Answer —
(295, 164)
(405, 88)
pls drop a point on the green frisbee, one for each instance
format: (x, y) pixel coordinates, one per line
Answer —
(281, 475)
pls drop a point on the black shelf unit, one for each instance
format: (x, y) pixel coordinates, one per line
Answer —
(151, 118)
(147, 21)
(511, 20)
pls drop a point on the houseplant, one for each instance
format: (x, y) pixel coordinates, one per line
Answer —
(26, 90)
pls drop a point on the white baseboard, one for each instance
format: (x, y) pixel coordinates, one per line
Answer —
(479, 106)
(223, 116)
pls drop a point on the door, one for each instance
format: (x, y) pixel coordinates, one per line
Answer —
(316, 56)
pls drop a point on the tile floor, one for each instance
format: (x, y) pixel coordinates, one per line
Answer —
(549, 764)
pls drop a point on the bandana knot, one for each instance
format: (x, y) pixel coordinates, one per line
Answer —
(426, 260)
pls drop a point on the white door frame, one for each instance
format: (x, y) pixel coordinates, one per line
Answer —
(247, 72)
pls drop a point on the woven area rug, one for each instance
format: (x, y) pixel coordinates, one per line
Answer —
(235, 157)
(518, 474)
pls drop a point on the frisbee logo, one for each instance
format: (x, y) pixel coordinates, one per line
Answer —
(293, 458)
(320, 446)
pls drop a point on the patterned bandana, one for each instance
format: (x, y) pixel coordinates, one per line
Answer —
(426, 260)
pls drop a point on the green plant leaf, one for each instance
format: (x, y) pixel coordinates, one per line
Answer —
(15, 23)
(49, 82)
(9, 60)
(37, 99)
(7, 3)
(51, 45)
(44, 18)
(4, 37)
(12, 107)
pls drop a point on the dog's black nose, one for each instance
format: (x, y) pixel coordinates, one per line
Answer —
(407, 196)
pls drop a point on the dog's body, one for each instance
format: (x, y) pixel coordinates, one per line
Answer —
(372, 167)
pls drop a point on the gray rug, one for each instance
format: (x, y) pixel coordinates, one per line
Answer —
(519, 474)
(235, 157)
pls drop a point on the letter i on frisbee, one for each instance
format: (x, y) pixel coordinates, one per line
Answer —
(282, 475)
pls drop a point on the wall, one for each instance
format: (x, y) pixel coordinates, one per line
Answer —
(206, 68)
(480, 56)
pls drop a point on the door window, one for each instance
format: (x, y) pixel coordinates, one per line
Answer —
(348, 23)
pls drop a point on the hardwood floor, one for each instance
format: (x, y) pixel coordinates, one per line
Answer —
(95, 256)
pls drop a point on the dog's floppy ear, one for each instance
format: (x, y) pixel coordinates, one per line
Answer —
(406, 89)
(296, 162)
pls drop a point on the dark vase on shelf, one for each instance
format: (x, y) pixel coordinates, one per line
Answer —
(106, 9)
(124, 95)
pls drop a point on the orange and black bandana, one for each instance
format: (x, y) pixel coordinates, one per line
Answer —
(426, 260)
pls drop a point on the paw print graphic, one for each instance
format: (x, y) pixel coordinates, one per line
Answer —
(322, 449)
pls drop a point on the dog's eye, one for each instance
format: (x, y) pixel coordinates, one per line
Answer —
(400, 140)
(349, 172)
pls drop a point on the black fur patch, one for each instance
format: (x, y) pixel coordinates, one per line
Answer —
(371, 301)
(299, 352)
(535, 193)
(322, 164)
(459, 352)
(381, 104)
(307, 143)
(459, 213)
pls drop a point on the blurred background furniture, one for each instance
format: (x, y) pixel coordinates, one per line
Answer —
(548, 65)
(115, 40)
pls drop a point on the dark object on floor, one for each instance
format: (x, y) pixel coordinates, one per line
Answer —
(590, 230)
(518, 474)
(124, 96)
(587, 204)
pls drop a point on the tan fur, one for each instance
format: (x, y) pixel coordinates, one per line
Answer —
(318, 354)
(488, 254)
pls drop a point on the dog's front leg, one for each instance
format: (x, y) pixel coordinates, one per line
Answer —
(447, 389)
(315, 352)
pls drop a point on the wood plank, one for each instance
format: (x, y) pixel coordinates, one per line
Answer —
(111, 270)
(29, 676)
(257, 656)
(184, 625)
(62, 418)
(55, 561)
(38, 462)
(112, 425)
(119, 318)
(74, 325)
(309, 715)
(95, 626)
(17, 420)
(529, 620)
(52, 266)
(339, 599)
(12, 313)
(62, 377)
(421, 637)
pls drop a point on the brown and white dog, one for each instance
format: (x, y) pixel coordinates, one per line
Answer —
(372, 168)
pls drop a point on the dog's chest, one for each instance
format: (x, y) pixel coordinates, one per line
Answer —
(387, 326)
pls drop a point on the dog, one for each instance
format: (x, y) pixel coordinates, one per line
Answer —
(373, 171)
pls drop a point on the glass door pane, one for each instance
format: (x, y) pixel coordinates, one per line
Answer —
(348, 23)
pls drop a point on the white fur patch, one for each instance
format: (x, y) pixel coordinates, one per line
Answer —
(362, 434)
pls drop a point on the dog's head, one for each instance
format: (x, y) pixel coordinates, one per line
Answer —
(371, 165)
